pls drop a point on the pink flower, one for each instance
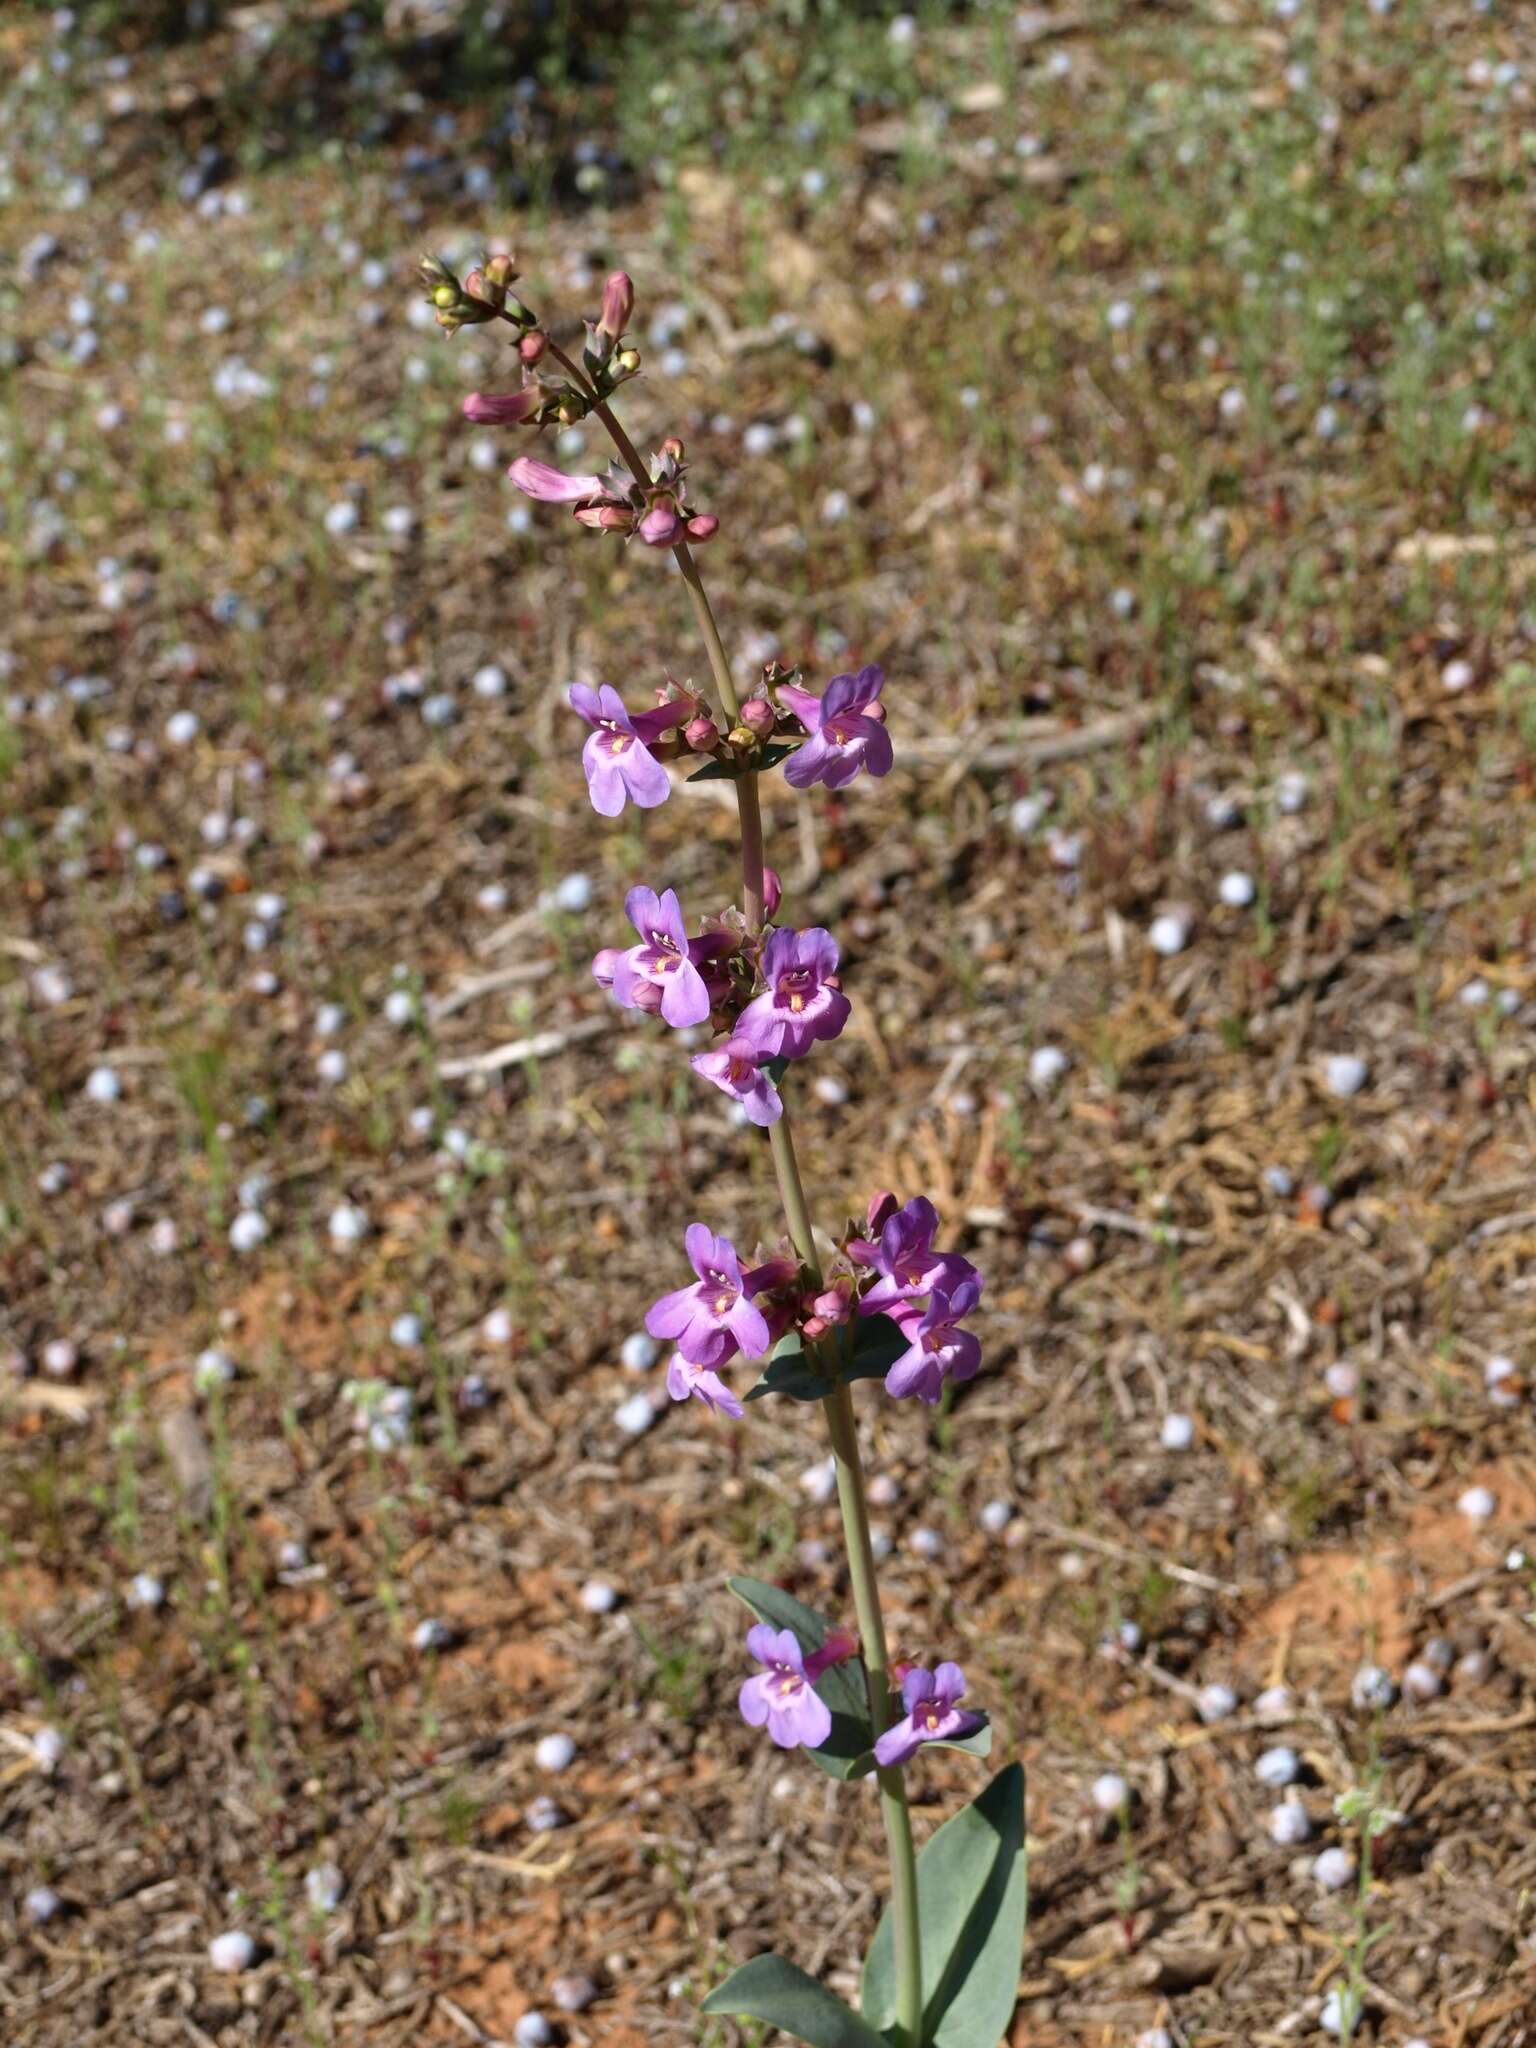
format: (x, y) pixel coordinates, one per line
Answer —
(845, 733)
(802, 1002)
(662, 962)
(618, 304)
(733, 1067)
(932, 1716)
(505, 408)
(781, 1696)
(553, 486)
(616, 758)
(684, 1378)
(713, 1319)
(938, 1349)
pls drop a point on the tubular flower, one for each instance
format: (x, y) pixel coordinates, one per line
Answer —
(617, 759)
(903, 1255)
(661, 962)
(932, 1716)
(529, 407)
(802, 1002)
(615, 503)
(782, 1696)
(733, 1067)
(937, 1349)
(713, 1319)
(702, 1383)
(846, 731)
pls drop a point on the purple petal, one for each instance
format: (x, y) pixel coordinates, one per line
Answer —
(606, 781)
(749, 1328)
(808, 766)
(879, 754)
(754, 1700)
(714, 1393)
(644, 909)
(672, 1313)
(897, 1745)
(583, 700)
(807, 708)
(762, 1102)
(650, 725)
(699, 1244)
(948, 1684)
(915, 1687)
(843, 694)
(762, 1642)
(684, 998)
(644, 777)
(805, 1718)
(914, 1373)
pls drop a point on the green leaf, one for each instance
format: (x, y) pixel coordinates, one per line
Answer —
(877, 1344)
(776, 1068)
(792, 1370)
(849, 1751)
(977, 1743)
(729, 771)
(972, 1892)
(768, 1988)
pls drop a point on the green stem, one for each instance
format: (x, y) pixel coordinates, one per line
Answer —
(893, 1791)
(838, 1405)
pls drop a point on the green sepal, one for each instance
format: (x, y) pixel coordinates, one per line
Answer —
(769, 1988)
(877, 1344)
(731, 771)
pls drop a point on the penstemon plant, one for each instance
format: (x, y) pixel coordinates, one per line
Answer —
(942, 1970)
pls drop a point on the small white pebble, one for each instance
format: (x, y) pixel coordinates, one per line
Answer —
(1109, 1792)
(1274, 1704)
(1331, 2018)
(1421, 1682)
(489, 681)
(1333, 1869)
(1223, 811)
(828, 1089)
(1278, 1768)
(1344, 1073)
(554, 1752)
(639, 1351)
(1501, 1376)
(1457, 676)
(532, 2031)
(212, 1368)
(41, 1904)
(1473, 994)
(103, 1085)
(47, 1749)
(572, 894)
(1047, 1064)
(1371, 1689)
(407, 1331)
(1177, 1433)
(995, 1517)
(431, 1635)
(1236, 889)
(181, 728)
(819, 1482)
(598, 1597)
(635, 1415)
(1477, 1504)
(1342, 1379)
(927, 1542)
(232, 1952)
(145, 1592)
(1025, 814)
(331, 1067)
(400, 1008)
(323, 1887)
(497, 1327)
(329, 1019)
(248, 1230)
(347, 1226)
(884, 1491)
(1215, 1702)
(1288, 1823)
(60, 1357)
(1291, 792)
(544, 1815)
(1168, 934)
(1154, 2037)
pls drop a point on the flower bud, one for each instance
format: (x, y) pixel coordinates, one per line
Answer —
(673, 447)
(743, 739)
(773, 892)
(445, 296)
(814, 1327)
(661, 527)
(618, 304)
(757, 715)
(628, 360)
(503, 408)
(882, 1207)
(531, 346)
(873, 708)
(568, 412)
(499, 272)
(702, 734)
(481, 287)
(606, 518)
(603, 964)
(831, 1307)
(703, 526)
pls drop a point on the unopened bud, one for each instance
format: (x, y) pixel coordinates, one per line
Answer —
(874, 709)
(445, 296)
(618, 304)
(831, 1307)
(882, 1206)
(661, 527)
(531, 346)
(500, 271)
(814, 1327)
(773, 892)
(702, 734)
(743, 739)
(628, 360)
(567, 412)
(673, 447)
(757, 715)
(703, 526)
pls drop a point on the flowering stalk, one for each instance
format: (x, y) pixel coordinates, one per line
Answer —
(891, 1305)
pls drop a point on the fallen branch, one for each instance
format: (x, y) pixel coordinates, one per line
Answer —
(542, 1046)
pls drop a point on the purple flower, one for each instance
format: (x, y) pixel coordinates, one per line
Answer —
(938, 1350)
(932, 1716)
(802, 1001)
(661, 961)
(714, 1317)
(505, 408)
(703, 1383)
(904, 1257)
(844, 735)
(616, 757)
(781, 1695)
(733, 1067)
